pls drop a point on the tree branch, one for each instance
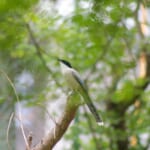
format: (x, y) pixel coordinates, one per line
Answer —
(121, 124)
(39, 50)
(138, 24)
(50, 140)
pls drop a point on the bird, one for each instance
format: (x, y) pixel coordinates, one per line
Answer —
(75, 83)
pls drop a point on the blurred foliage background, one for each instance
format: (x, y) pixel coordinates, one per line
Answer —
(108, 41)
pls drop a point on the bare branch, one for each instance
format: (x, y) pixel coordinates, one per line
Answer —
(39, 51)
(49, 141)
(8, 128)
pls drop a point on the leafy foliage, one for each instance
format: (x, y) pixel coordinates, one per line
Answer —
(99, 39)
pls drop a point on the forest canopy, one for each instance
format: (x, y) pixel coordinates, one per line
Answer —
(106, 41)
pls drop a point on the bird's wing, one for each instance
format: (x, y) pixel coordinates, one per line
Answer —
(79, 80)
(87, 98)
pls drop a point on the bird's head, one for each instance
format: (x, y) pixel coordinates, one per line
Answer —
(65, 62)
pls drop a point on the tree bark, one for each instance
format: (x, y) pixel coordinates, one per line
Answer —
(49, 141)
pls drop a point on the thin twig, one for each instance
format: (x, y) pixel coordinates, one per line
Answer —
(39, 51)
(8, 128)
(17, 98)
(46, 111)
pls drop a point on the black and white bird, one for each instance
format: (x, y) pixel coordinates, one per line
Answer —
(75, 83)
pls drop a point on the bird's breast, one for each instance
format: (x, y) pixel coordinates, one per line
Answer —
(71, 80)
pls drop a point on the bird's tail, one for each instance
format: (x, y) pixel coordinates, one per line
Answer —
(92, 108)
